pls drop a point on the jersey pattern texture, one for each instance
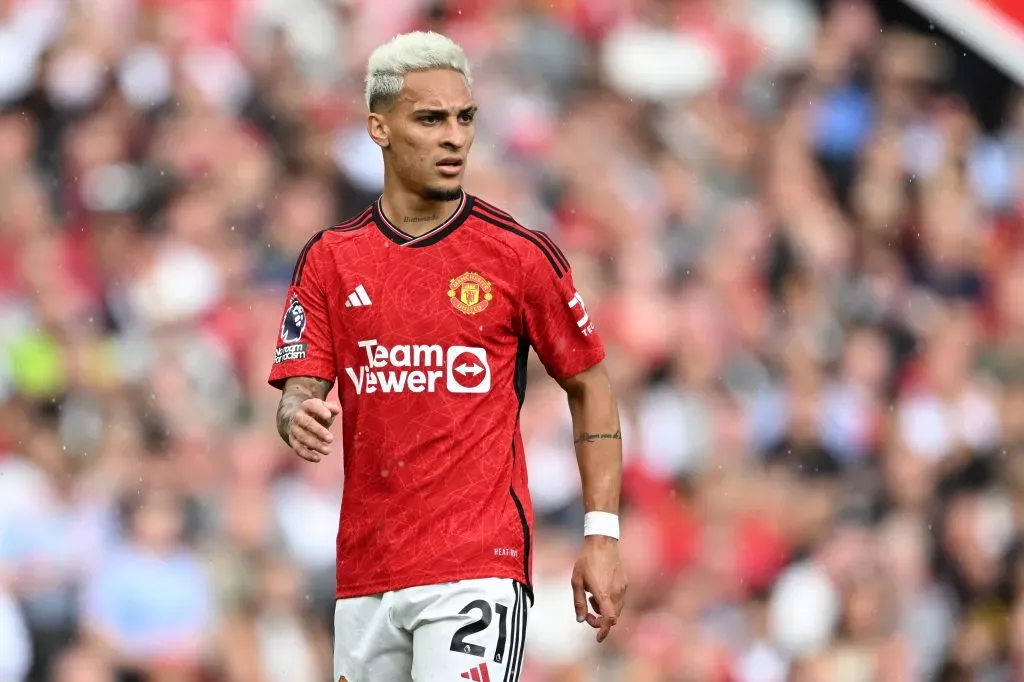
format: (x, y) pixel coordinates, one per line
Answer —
(427, 339)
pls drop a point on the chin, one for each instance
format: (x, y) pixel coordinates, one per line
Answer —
(443, 193)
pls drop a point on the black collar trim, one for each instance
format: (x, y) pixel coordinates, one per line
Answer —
(389, 230)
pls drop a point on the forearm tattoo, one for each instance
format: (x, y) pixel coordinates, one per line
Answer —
(591, 437)
(297, 391)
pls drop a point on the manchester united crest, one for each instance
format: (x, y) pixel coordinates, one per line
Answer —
(470, 293)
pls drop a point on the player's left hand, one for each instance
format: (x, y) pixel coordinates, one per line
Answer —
(598, 573)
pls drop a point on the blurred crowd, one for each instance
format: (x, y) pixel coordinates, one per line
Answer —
(802, 250)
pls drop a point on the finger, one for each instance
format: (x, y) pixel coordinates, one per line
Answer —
(310, 441)
(608, 618)
(318, 409)
(335, 408)
(301, 444)
(607, 609)
(579, 598)
(310, 437)
(619, 599)
(594, 619)
(317, 446)
(307, 422)
(305, 453)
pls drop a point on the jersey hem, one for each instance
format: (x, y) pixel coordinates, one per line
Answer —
(379, 587)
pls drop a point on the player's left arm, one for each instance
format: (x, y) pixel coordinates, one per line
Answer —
(598, 442)
(597, 437)
(563, 334)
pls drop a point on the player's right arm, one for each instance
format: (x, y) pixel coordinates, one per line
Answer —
(304, 417)
(304, 366)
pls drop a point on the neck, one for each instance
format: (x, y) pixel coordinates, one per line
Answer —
(413, 214)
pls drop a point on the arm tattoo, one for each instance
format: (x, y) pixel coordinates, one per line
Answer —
(591, 437)
(298, 390)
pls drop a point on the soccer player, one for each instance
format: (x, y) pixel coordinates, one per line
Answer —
(423, 308)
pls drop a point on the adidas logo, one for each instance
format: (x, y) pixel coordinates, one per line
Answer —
(477, 674)
(358, 298)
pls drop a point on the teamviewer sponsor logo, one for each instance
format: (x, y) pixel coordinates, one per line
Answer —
(417, 368)
(468, 371)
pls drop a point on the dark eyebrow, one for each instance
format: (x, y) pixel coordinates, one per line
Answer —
(443, 112)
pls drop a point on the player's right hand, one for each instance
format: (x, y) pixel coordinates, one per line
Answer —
(309, 429)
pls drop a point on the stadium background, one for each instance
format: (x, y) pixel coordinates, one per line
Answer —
(798, 226)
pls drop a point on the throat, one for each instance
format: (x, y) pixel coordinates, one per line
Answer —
(417, 218)
(415, 222)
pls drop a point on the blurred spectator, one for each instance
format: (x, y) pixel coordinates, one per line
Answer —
(16, 648)
(50, 547)
(306, 512)
(274, 625)
(150, 602)
(82, 664)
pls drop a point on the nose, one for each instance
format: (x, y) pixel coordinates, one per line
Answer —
(455, 135)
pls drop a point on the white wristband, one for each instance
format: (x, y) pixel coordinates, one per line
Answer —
(601, 523)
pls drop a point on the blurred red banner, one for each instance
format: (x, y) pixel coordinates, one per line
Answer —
(1011, 10)
(993, 28)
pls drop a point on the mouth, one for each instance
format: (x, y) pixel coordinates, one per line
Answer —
(450, 165)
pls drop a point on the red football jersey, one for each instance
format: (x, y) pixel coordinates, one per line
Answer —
(428, 339)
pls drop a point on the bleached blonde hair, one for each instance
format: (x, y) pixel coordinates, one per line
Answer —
(405, 53)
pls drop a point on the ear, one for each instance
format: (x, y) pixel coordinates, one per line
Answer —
(377, 127)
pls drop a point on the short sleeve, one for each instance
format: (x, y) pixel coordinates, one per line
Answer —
(304, 340)
(557, 323)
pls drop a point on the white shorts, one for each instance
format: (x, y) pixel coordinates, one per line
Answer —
(471, 630)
